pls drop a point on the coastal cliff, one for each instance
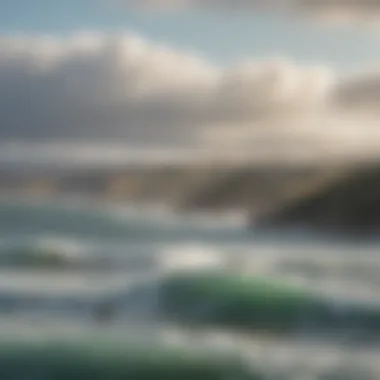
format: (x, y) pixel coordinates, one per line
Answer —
(349, 204)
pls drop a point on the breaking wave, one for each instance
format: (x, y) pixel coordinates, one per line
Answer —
(63, 263)
(42, 253)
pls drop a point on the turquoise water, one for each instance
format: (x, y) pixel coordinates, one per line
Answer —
(62, 259)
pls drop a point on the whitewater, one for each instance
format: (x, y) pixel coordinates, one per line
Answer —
(62, 258)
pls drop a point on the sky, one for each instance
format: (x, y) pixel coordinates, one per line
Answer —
(180, 73)
(223, 38)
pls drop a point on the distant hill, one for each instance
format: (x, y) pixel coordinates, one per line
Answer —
(348, 203)
(184, 187)
(330, 197)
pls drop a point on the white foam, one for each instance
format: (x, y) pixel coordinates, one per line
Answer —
(190, 257)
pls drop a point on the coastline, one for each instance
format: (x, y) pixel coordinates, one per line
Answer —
(238, 218)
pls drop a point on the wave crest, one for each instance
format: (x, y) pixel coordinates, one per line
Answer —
(46, 253)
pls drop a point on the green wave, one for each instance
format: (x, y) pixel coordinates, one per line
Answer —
(238, 302)
(97, 361)
(34, 256)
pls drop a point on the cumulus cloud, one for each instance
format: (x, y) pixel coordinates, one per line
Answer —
(361, 91)
(92, 85)
(122, 88)
(98, 86)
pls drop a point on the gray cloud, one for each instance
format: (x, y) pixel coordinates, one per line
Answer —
(362, 92)
(124, 89)
(121, 87)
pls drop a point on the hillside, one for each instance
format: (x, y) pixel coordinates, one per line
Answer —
(342, 197)
(348, 203)
(184, 187)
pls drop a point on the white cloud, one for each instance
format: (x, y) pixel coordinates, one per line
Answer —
(93, 85)
(125, 89)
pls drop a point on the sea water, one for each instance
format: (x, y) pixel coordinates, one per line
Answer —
(61, 259)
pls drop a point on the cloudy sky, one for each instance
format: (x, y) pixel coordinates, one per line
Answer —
(182, 72)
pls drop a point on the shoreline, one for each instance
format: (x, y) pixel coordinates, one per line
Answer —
(236, 217)
(222, 218)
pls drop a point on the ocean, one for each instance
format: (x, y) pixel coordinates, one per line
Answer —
(62, 260)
